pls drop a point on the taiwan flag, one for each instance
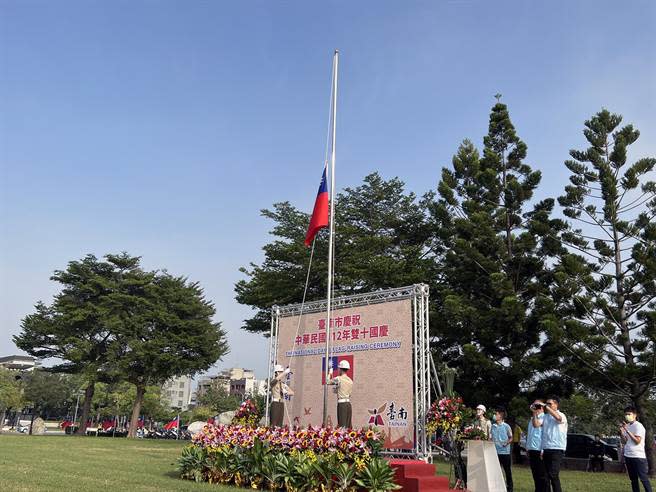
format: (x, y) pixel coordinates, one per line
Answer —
(173, 424)
(334, 365)
(319, 218)
(108, 424)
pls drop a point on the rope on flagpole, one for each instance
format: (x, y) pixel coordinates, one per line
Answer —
(307, 278)
(300, 318)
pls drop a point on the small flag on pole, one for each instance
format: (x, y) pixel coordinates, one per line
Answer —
(172, 424)
(319, 218)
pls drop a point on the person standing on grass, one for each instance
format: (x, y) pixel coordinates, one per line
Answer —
(534, 446)
(554, 441)
(596, 455)
(516, 446)
(502, 437)
(633, 435)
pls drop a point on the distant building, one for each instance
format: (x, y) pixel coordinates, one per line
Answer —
(176, 392)
(235, 381)
(19, 362)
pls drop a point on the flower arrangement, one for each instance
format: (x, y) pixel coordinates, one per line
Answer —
(447, 414)
(471, 432)
(294, 460)
(247, 414)
(316, 439)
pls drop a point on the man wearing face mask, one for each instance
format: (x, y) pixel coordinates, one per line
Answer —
(633, 435)
(482, 422)
(502, 437)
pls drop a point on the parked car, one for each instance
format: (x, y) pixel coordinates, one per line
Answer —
(578, 446)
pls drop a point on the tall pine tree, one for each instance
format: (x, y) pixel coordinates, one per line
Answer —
(494, 271)
(605, 284)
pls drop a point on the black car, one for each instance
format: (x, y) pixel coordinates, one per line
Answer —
(579, 445)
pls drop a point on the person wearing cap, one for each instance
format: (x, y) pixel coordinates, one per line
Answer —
(344, 388)
(278, 390)
(482, 422)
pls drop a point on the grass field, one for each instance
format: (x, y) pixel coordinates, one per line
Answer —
(572, 481)
(58, 463)
(54, 463)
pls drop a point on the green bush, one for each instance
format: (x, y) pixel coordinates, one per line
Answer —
(193, 463)
(377, 476)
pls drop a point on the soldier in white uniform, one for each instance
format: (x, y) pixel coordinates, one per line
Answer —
(344, 389)
(278, 391)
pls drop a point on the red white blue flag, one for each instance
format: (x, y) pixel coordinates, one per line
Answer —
(319, 218)
(172, 424)
(334, 365)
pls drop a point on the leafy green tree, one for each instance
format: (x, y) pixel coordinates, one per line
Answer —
(199, 413)
(11, 393)
(381, 241)
(78, 327)
(218, 400)
(114, 322)
(605, 283)
(169, 332)
(52, 395)
(494, 271)
(117, 399)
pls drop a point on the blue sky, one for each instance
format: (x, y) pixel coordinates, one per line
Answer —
(163, 127)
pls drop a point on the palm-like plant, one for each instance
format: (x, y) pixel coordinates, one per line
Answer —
(193, 463)
(305, 477)
(325, 468)
(377, 476)
(344, 476)
(272, 472)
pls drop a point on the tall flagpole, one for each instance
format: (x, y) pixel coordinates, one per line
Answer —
(331, 246)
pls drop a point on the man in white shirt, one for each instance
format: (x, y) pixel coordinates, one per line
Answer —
(633, 435)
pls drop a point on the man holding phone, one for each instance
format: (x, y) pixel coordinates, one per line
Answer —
(554, 441)
(534, 446)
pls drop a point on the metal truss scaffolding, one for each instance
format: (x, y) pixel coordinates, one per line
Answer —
(421, 351)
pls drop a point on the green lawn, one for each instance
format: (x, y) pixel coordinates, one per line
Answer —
(572, 481)
(53, 463)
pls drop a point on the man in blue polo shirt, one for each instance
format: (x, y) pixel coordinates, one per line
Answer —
(501, 434)
(554, 441)
(534, 446)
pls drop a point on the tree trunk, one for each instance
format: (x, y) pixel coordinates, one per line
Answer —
(136, 410)
(645, 420)
(86, 408)
(3, 415)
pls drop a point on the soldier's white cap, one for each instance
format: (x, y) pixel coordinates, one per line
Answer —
(344, 364)
(481, 407)
(278, 368)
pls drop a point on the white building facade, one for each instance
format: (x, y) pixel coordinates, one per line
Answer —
(176, 392)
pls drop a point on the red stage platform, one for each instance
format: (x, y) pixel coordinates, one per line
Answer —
(417, 476)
